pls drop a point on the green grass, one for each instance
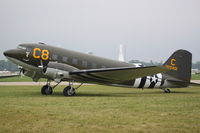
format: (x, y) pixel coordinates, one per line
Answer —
(195, 76)
(19, 79)
(99, 109)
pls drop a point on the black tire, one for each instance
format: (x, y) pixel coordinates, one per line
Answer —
(46, 90)
(167, 91)
(69, 91)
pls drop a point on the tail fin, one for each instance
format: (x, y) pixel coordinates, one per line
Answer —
(180, 63)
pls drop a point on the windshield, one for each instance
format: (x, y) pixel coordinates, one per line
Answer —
(21, 47)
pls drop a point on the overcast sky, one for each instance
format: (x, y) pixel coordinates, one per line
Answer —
(150, 29)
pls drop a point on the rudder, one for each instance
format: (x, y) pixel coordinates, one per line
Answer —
(180, 63)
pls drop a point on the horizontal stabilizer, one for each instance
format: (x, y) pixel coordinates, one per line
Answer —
(184, 83)
(194, 84)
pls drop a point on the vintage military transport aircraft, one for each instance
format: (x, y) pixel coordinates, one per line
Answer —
(58, 64)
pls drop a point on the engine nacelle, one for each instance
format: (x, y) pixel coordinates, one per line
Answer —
(33, 74)
(52, 73)
(28, 73)
(58, 71)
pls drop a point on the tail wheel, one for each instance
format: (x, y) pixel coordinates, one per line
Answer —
(167, 91)
(46, 90)
(69, 91)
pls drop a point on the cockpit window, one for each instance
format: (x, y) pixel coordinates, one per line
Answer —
(28, 49)
(21, 47)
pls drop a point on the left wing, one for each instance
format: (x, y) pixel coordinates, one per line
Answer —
(8, 76)
(182, 83)
(116, 75)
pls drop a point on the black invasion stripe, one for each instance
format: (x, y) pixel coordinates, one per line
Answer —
(133, 82)
(142, 83)
(99, 77)
(92, 79)
(162, 83)
(152, 85)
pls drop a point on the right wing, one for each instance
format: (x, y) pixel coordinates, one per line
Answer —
(184, 83)
(117, 75)
(8, 76)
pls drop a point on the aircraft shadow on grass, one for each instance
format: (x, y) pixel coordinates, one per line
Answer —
(134, 94)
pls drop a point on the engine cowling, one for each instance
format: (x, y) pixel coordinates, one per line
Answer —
(28, 73)
(35, 75)
(52, 73)
(58, 71)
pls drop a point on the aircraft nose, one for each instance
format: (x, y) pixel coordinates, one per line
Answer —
(8, 53)
(12, 53)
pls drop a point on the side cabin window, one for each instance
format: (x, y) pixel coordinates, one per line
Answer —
(65, 59)
(29, 49)
(74, 61)
(94, 65)
(84, 63)
(103, 66)
(54, 57)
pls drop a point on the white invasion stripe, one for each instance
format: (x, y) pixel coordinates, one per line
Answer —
(147, 84)
(137, 82)
(159, 75)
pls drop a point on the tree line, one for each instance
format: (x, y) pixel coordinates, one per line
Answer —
(6, 65)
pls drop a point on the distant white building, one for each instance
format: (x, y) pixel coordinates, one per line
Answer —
(122, 53)
(138, 64)
(195, 71)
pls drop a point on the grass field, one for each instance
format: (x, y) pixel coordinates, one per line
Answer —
(196, 77)
(99, 109)
(19, 79)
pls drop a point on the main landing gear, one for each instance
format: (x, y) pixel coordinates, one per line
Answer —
(70, 90)
(47, 89)
(67, 91)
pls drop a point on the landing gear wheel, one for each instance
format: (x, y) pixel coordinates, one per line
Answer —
(46, 90)
(167, 91)
(69, 91)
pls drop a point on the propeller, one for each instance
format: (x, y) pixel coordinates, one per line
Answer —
(21, 70)
(42, 66)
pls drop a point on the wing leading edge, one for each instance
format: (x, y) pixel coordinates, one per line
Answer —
(8, 76)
